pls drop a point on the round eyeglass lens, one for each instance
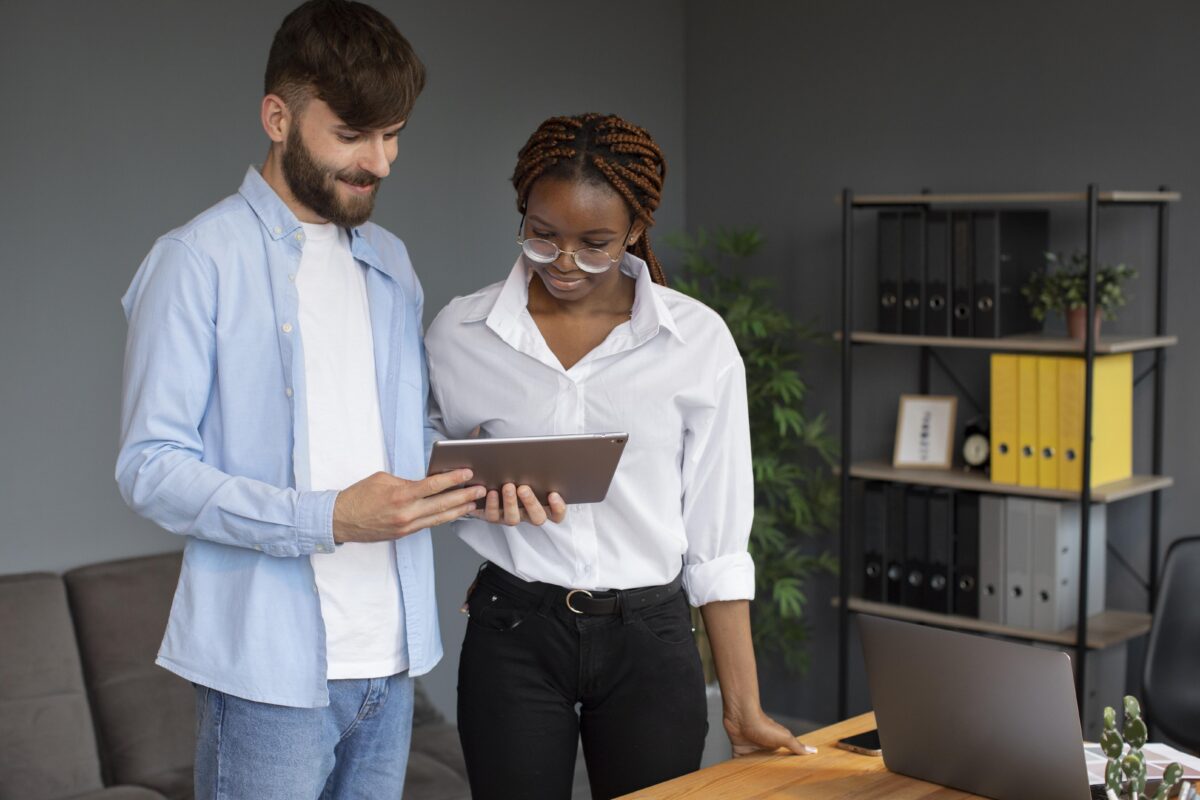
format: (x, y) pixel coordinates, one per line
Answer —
(540, 250)
(591, 258)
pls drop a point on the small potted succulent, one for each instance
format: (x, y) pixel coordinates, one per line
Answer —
(1063, 289)
(1125, 771)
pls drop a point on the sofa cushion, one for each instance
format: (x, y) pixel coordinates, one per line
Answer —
(145, 716)
(47, 744)
(430, 779)
(439, 741)
(121, 793)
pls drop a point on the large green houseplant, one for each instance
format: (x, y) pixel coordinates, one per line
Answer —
(796, 497)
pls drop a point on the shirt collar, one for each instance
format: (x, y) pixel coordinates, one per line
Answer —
(272, 212)
(280, 223)
(650, 313)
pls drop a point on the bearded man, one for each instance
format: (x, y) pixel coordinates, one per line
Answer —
(274, 415)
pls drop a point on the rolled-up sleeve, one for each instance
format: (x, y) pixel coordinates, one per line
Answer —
(170, 367)
(718, 495)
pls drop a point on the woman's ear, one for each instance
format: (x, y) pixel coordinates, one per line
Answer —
(639, 228)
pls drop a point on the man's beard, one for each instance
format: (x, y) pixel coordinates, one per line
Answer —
(315, 185)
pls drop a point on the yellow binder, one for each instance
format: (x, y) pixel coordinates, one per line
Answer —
(1112, 420)
(1027, 420)
(1004, 418)
(1047, 427)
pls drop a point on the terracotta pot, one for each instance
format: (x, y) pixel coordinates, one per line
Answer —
(1076, 327)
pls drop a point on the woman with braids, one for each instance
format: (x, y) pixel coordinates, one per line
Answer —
(589, 609)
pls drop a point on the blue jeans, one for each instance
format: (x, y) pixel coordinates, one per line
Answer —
(356, 747)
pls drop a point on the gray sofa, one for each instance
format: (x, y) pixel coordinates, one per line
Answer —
(85, 714)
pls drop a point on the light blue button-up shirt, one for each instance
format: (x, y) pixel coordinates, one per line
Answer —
(214, 443)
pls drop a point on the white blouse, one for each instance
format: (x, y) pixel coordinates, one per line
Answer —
(671, 377)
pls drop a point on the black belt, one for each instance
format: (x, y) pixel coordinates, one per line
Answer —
(583, 601)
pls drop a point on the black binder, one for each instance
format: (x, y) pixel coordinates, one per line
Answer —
(1007, 246)
(916, 547)
(890, 255)
(873, 515)
(939, 581)
(894, 553)
(937, 274)
(912, 272)
(962, 278)
(966, 554)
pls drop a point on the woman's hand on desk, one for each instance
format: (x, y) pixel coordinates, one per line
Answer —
(513, 505)
(758, 733)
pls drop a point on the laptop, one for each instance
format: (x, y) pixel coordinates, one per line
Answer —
(992, 718)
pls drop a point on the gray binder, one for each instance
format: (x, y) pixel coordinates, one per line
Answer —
(1056, 541)
(992, 574)
(1018, 558)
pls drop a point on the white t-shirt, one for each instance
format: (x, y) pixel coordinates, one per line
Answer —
(361, 601)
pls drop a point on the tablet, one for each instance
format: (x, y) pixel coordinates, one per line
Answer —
(578, 467)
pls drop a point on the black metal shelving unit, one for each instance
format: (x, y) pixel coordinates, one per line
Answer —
(1113, 626)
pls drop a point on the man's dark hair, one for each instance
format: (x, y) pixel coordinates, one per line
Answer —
(348, 55)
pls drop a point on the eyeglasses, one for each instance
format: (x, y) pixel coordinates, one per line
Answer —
(592, 260)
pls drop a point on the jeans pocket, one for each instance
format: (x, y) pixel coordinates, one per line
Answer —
(493, 610)
(669, 622)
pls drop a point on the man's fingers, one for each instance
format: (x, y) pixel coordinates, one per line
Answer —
(446, 516)
(445, 507)
(436, 484)
(437, 505)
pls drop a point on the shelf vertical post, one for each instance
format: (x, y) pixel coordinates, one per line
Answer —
(1085, 499)
(1160, 358)
(844, 543)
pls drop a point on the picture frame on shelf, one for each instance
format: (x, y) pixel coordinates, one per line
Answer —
(925, 432)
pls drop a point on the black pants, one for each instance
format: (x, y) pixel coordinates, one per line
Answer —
(527, 660)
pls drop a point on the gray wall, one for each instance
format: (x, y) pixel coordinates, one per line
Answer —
(125, 119)
(789, 103)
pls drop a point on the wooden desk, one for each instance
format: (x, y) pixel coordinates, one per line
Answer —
(831, 774)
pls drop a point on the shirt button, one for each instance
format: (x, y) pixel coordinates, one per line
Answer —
(278, 229)
(299, 236)
(287, 327)
(292, 277)
(315, 591)
(288, 391)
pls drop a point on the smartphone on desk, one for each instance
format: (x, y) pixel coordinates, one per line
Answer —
(865, 743)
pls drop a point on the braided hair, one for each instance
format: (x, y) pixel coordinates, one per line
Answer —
(603, 149)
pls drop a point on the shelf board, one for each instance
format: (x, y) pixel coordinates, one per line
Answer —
(977, 482)
(1105, 629)
(1015, 198)
(1023, 343)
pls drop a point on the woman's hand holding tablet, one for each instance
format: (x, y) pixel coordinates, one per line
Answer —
(528, 478)
(529, 508)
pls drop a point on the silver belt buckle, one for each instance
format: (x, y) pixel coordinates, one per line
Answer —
(576, 591)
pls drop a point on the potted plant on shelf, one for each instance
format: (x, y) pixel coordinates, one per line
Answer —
(1063, 288)
(795, 496)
